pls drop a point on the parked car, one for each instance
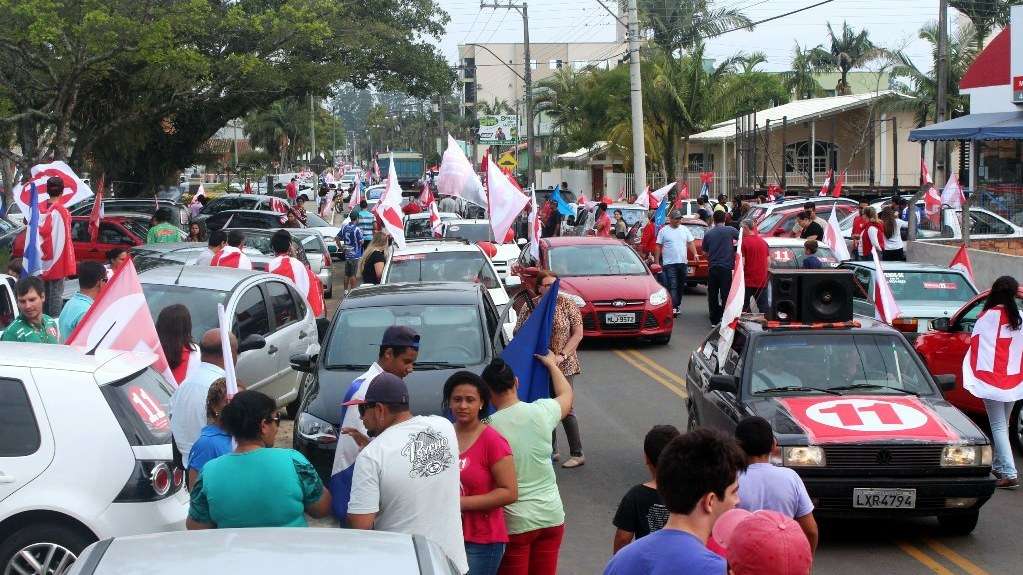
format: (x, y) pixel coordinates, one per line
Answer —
(417, 226)
(328, 230)
(261, 305)
(260, 551)
(8, 303)
(318, 255)
(226, 202)
(258, 219)
(943, 348)
(85, 453)
(823, 207)
(114, 232)
(145, 207)
(460, 329)
(635, 218)
(373, 193)
(615, 291)
(923, 292)
(984, 225)
(480, 231)
(788, 253)
(782, 221)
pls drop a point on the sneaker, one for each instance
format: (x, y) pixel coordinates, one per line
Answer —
(1003, 483)
(674, 312)
(576, 461)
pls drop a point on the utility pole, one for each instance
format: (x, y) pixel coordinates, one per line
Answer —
(636, 91)
(312, 131)
(523, 10)
(940, 159)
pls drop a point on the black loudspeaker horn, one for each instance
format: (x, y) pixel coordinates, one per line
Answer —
(810, 296)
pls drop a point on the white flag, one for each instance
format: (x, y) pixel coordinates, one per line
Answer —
(75, 189)
(389, 208)
(505, 202)
(535, 226)
(886, 308)
(952, 195)
(733, 305)
(225, 346)
(833, 237)
(457, 177)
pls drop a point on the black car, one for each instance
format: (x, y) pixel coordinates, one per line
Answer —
(258, 219)
(855, 413)
(226, 202)
(460, 328)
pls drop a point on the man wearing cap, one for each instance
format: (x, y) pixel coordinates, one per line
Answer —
(673, 242)
(407, 479)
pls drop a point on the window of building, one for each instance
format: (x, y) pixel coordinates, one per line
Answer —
(578, 65)
(534, 64)
(797, 157)
(469, 67)
(701, 162)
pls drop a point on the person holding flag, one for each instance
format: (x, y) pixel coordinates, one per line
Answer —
(872, 235)
(993, 370)
(307, 282)
(57, 252)
(31, 325)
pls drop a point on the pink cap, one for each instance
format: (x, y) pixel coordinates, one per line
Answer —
(726, 524)
(768, 543)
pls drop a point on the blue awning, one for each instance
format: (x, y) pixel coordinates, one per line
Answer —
(993, 126)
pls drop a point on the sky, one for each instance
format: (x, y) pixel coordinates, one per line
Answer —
(891, 23)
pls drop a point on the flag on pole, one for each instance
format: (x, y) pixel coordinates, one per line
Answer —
(563, 207)
(621, 194)
(535, 226)
(534, 337)
(436, 225)
(683, 193)
(376, 169)
(925, 174)
(96, 215)
(839, 182)
(833, 237)
(340, 482)
(961, 261)
(932, 206)
(505, 202)
(886, 308)
(706, 179)
(733, 304)
(774, 191)
(826, 188)
(356, 198)
(952, 195)
(120, 319)
(425, 195)
(661, 214)
(457, 177)
(225, 349)
(33, 253)
(75, 189)
(389, 208)
(652, 199)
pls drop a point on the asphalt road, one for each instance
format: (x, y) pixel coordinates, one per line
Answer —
(628, 387)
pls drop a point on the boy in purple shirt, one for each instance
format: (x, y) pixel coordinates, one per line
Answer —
(766, 486)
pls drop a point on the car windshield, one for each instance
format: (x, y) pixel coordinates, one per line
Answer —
(828, 361)
(314, 221)
(418, 228)
(442, 266)
(471, 232)
(450, 334)
(596, 260)
(754, 214)
(633, 217)
(260, 243)
(768, 223)
(696, 230)
(201, 304)
(136, 227)
(374, 194)
(311, 244)
(783, 257)
(929, 286)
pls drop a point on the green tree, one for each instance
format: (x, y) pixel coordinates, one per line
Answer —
(848, 50)
(985, 16)
(801, 80)
(920, 87)
(679, 26)
(494, 108)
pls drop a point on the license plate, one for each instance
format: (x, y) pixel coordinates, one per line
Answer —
(619, 318)
(884, 498)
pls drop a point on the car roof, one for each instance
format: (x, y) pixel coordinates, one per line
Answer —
(428, 246)
(168, 247)
(260, 212)
(623, 206)
(460, 221)
(259, 551)
(424, 215)
(790, 243)
(431, 293)
(193, 276)
(756, 323)
(256, 196)
(694, 221)
(106, 364)
(903, 266)
(795, 202)
(579, 241)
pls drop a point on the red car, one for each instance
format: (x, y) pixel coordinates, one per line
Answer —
(943, 349)
(615, 291)
(780, 222)
(697, 271)
(114, 232)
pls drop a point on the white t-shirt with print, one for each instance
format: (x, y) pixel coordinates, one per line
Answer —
(409, 477)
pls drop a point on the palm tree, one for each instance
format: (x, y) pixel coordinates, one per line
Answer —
(985, 15)
(495, 108)
(849, 50)
(801, 80)
(749, 62)
(273, 129)
(679, 26)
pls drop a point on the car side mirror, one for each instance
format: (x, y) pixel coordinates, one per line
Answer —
(322, 327)
(512, 281)
(941, 324)
(303, 362)
(945, 381)
(656, 269)
(250, 343)
(724, 384)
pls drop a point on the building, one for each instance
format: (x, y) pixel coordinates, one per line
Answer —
(859, 82)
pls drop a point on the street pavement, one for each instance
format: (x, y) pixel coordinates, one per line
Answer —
(628, 387)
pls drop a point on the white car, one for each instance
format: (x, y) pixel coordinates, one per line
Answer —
(448, 261)
(85, 453)
(823, 205)
(373, 194)
(985, 225)
(8, 304)
(789, 253)
(417, 226)
(480, 231)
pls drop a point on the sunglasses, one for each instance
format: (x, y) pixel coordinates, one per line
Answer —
(276, 418)
(364, 407)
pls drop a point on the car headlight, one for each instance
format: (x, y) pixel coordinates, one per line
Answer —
(966, 455)
(802, 456)
(575, 299)
(312, 428)
(659, 297)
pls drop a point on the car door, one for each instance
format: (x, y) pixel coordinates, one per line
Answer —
(111, 236)
(256, 369)
(290, 334)
(722, 407)
(8, 305)
(984, 225)
(26, 446)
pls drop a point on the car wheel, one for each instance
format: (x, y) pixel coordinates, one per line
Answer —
(962, 523)
(1016, 427)
(43, 548)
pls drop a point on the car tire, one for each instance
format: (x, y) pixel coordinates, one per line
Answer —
(962, 523)
(39, 539)
(1016, 428)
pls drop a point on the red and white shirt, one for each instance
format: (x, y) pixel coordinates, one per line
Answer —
(57, 251)
(305, 280)
(231, 257)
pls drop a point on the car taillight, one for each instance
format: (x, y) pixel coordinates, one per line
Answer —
(905, 325)
(151, 481)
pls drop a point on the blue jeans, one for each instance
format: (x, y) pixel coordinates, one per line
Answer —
(998, 416)
(484, 558)
(675, 282)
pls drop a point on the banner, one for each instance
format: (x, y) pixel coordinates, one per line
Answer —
(503, 129)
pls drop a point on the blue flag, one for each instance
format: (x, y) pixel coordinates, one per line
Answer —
(33, 255)
(534, 337)
(662, 212)
(563, 207)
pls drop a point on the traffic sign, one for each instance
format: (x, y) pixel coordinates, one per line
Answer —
(507, 160)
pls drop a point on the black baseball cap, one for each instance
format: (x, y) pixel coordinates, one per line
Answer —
(385, 388)
(400, 336)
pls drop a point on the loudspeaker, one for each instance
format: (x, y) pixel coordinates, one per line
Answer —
(809, 296)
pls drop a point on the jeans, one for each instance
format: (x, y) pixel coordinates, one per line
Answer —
(758, 295)
(484, 558)
(675, 282)
(571, 425)
(719, 281)
(998, 416)
(898, 255)
(533, 552)
(54, 299)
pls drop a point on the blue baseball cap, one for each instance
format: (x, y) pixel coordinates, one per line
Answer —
(400, 336)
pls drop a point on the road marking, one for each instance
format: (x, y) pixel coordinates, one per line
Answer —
(650, 373)
(653, 363)
(962, 562)
(923, 558)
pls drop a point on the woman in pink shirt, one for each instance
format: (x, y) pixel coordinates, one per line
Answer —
(487, 472)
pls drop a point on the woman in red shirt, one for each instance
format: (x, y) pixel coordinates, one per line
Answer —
(872, 235)
(487, 472)
(174, 328)
(603, 227)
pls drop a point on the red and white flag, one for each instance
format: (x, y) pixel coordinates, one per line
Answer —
(652, 199)
(932, 206)
(886, 308)
(621, 194)
(57, 252)
(774, 191)
(826, 188)
(436, 225)
(833, 237)
(581, 202)
(733, 304)
(458, 178)
(376, 170)
(993, 367)
(839, 182)
(925, 174)
(328, 206)
(278, 205)
(75, 190)
(505, 202)
(120, 319)
(683, 193)
(305, 280)
(96, 215)
(389, 208)
(961, 261)
(425, 195)
(231, 257)
(952, 195)
(535, 226)
(356, 198)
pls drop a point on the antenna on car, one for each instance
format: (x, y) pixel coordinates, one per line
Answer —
(100, 342)
(177, 280)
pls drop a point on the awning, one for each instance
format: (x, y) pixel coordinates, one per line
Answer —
(993, 126)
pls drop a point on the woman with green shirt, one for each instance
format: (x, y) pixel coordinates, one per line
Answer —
(536, 521)
(257, 485)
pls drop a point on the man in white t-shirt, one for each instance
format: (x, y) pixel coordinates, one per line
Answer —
(673, 241)
(406, 479)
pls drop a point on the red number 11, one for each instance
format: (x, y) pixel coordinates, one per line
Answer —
(849, 415)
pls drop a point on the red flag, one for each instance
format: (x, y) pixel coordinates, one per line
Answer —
(607, 200)
(827, 184)
(773, 192)
(120, 319)
(839, 182)
(932, 206)
(425, 195)
(925, 175)
(231, 257)
(278, 205)
(305, 280)
(961, 261)
(683, 192)
(97, 212)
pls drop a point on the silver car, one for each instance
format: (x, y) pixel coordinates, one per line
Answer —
(262, 305)
(318, 256)
(259, 551)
